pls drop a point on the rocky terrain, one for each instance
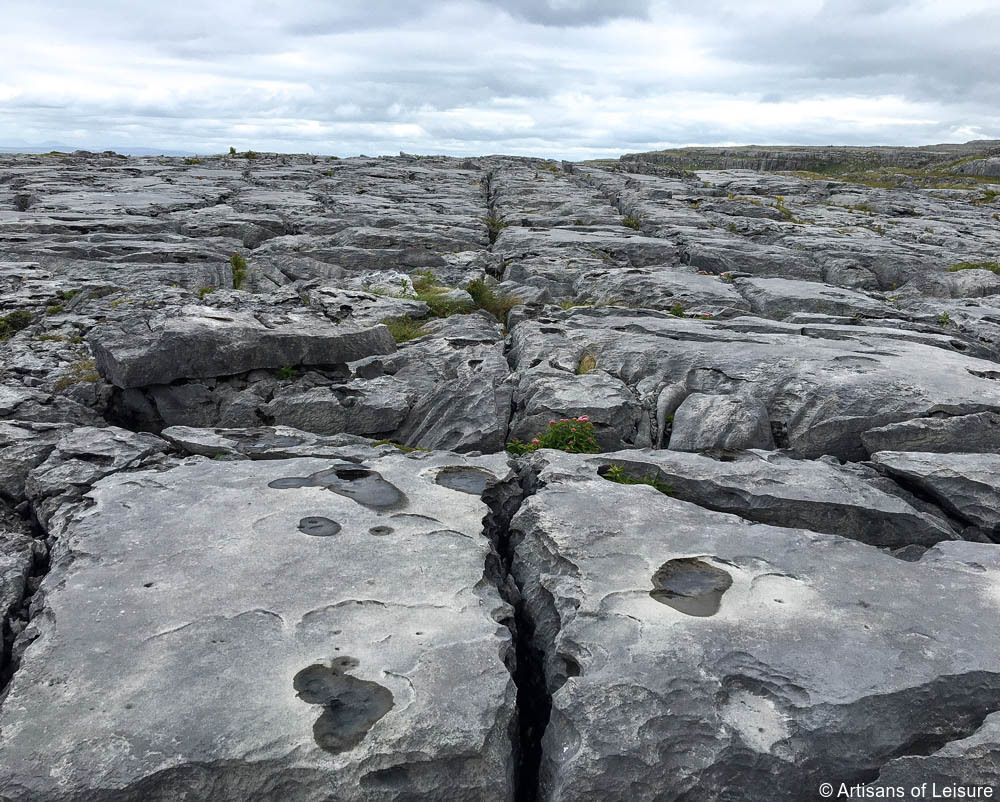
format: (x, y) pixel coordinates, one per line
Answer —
(261, 537)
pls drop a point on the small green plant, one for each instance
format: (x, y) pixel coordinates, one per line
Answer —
(251, 154)
(435, 296)
(785, 211)
(195, 160)
(495, 223)
(203, 291)
(485, 297)
(677, 310)
(239, 270)
(573, 435)
(55, 309)
(82, 370)
(578, 222)
(67, 295)
(989, 195)
(944, 320)
(993, 267)
(404, 329)
(232, 151)
(285, 373)
(616, 473)
(13, 323)
(632, 221)
(564, 305)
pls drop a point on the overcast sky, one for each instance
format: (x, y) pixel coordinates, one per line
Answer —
(567, 79)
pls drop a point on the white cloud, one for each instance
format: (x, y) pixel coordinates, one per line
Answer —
(562, 78)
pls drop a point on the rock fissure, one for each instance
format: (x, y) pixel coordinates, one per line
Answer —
(534, 700)
(19, 617)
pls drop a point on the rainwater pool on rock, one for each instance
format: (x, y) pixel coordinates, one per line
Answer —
(690, 586)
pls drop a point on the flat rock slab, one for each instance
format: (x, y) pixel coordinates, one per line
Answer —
(310, 629)
(968, 485)
(822, 386)
(691, 655)
(772, 488)
(202, 342)
(964, 433)
(779, 297)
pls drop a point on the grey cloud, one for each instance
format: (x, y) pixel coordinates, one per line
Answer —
(574, 13)
(474, 76)
(871, 48)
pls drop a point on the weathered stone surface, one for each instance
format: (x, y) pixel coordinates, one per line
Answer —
(692, 654)
(209, 644)
(372, 407)
(772, 488)
(780, 297)
(81, 457)
(23, 446)
(704, 421)
(967, 485)
(271, 442)
(688, 652)
(203, 342)
(978, 433)
(822, 386)
(19, 553)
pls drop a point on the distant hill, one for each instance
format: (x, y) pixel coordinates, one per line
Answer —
(820, 159)
(129, 150)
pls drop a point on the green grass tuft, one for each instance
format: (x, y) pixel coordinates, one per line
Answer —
(495, 223)
(11, 324)
(239, 270)
(616, 473)
(485, 297)
(404, 329)
(82, 370)
(993, 267)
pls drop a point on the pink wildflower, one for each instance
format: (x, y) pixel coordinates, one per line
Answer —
(584, 418)
(536, 440)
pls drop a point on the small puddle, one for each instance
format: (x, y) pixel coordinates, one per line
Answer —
(367, 487)
(381, 531)
(288, 482)
(318, 526)
(351, 706)
(690, 586)
(466, 480)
